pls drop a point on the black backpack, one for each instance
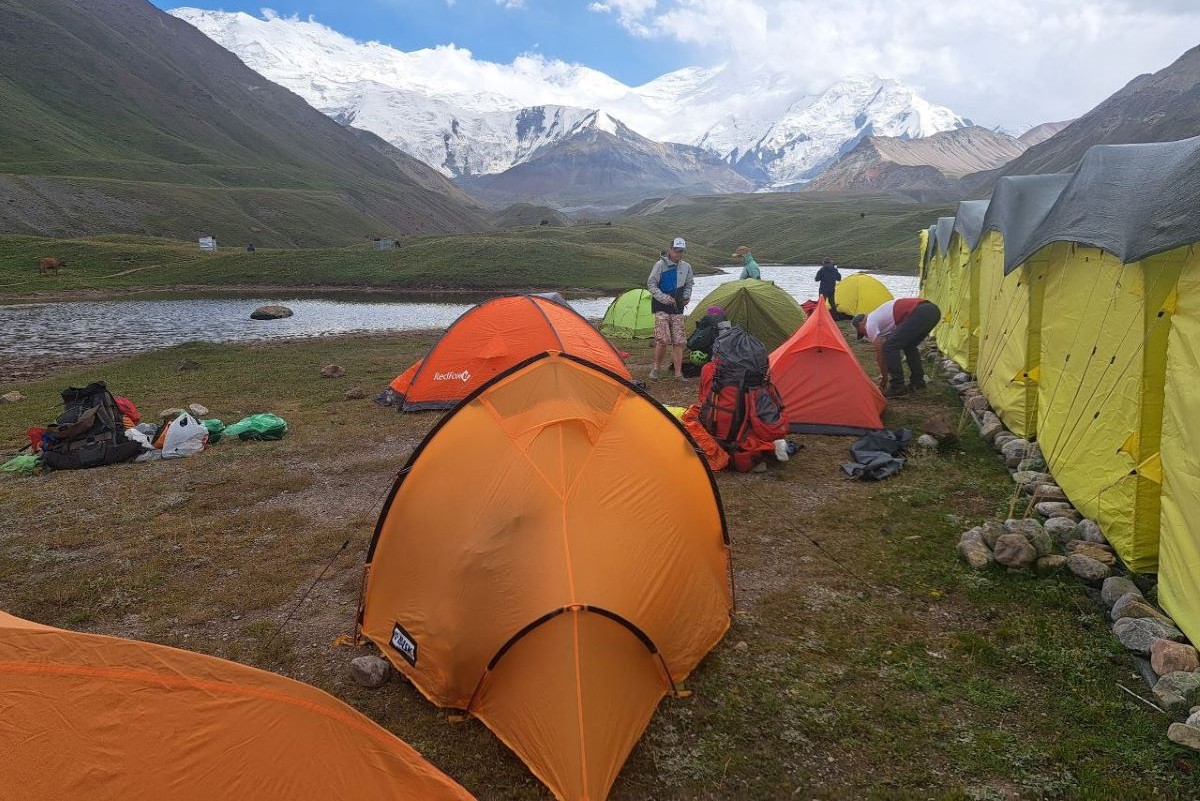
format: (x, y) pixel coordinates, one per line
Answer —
(89, 432)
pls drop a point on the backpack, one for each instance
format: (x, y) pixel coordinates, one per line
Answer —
(89, 432)
(739, 405)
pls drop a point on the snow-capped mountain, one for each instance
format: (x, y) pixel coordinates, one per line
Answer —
(469, 117)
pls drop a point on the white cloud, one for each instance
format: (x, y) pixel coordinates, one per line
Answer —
(1000, 61)
(511, 3)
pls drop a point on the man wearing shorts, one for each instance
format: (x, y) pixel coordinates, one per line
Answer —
(670, 286)
(897, 327)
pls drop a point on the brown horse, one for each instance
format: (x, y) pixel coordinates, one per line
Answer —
(47, 266)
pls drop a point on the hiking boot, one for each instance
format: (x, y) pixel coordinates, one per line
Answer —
(896, 391)
(918, 385)
(653, 373)
(683, 379)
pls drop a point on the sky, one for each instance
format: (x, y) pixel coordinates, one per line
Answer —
(999, 62)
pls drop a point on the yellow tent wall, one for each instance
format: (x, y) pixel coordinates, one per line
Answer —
(961, 287)
(1179, 557)
(942, 285)
(1100, 393)
(1010, 321)
(923, 237)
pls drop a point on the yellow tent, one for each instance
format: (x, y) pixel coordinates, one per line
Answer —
(860, 294)
(530, 570)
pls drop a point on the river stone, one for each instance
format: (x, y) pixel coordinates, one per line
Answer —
(1042, 542)
(1015, 447)
(1028, 465)
(1132, 604)
(170, 414)
(1137, 634)
(969, 389)
(1013, 550)
(1089, 531)
(1185, 735)
(1051, 563)
(197, 409)
(12, 397)
(1061, 529)
(990, 426)
(977, 555)
(1176, 692)
(1194, 717)
(1028, 477)
(1025, 526)
(1087, 568)
(1056, 509)
(333, 371)
(992, 531)
(960, 378)
(1170, 657)
(271, 313)
(371, 671)
(1115, 588)
(978, 404)
(927, 442)
(1101, 553)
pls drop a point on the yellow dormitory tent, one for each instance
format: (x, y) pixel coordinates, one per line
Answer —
(1090, 339)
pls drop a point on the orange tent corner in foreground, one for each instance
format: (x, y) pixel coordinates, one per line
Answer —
(92, 717)
(822, 383)
(490, 338)
(532, 567)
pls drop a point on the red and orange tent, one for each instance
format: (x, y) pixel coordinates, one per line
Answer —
(824, 388)
(93, 717)
(492, 337)
(561, 578)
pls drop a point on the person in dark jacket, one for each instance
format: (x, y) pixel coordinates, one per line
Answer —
(707, 328)
(828, 276)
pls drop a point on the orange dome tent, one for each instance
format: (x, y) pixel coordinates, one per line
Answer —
(87, 716)
(490, 338)
(824, 388)
(533, 569)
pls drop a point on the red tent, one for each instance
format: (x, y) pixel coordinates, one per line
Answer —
(824, 388)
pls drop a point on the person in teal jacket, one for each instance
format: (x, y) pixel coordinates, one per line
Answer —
(750, 268)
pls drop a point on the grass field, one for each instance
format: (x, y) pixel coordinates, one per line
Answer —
(874, 665)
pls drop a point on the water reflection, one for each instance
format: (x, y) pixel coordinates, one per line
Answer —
(77, 329)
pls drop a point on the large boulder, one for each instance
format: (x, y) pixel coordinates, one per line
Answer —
(1134, 605)
(1177, 692)
(1173, 657)
(1061, 530)
(1138, 634)
(1013, 550)
(271, 313)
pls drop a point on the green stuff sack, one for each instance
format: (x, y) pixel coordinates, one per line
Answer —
(258, 426)
(20, 465)
(216, 430)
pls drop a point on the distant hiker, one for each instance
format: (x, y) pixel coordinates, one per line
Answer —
(670, 286)
(707, 328)
(750, 266)
(896, 327)
(829, 276)
(250, 248)
(46, 266)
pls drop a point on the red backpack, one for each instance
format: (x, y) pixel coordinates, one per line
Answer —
(739, 405)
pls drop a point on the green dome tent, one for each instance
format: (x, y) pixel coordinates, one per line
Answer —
(759, 307)
(629, 316)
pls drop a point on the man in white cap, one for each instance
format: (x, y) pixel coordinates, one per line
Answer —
(670, 286)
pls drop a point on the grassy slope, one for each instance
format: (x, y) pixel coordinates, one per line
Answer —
(891, 672)
(588, 257)
(860, 230)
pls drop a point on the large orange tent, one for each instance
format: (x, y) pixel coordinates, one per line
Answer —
(490, 338)
(93, 717)
(533, 568)
(823, 386)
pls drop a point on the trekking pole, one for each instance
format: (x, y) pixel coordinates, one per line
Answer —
(308, 592)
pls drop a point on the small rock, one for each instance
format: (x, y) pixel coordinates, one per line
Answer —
(1090, 531)
(197, 409)
(959, 378)
(1061, 529)
(972, 535)
(1052, 563)
(1056, 509)
(928, 442)
(977, 555)
(1050, 492)
(1176, 692)
(12, 397)
(357, 393)
(1134, 605)
(1169, 657)
(741, 646)
(188, 365)
(1015, 447)
(170, 414)
(332, 371)
(1027, 477)
(1194, 717)
(1042, 542)
(1013, 550)
(1087, 568)
(1026, 526)
(1027, 465)
(1101, 553)
(978, 404)
(1115, 588)
(371, 671)
(941, 430)
(1185, 735)
(990, 426)
(992, 531)
(1137, 634)
(1002, 439)
(969, 390)
(271, 313)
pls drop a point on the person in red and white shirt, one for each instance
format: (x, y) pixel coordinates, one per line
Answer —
(896, 327)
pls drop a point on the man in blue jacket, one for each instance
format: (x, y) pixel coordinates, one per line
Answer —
(670, 286)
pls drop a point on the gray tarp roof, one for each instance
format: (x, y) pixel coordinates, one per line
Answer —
(930, 243)
(1019, 204)
(943, 230)
(968, 221)
(1131, 200)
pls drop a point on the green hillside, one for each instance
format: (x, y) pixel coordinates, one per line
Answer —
(854, 229)
(119, 117)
